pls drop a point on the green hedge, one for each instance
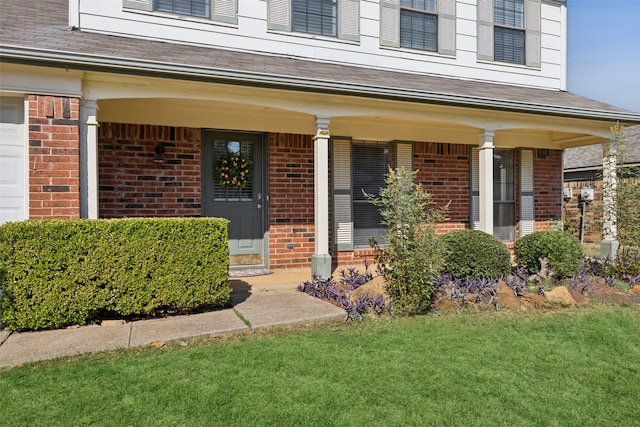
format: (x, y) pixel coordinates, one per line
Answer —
(561, 249)
(55, 273)
(474, 254)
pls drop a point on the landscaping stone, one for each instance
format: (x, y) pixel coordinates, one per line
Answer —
(376, 286)
(157, 344)
(636, 290)
(536, 301)
(443, 304)
(560, 295)
(506, 298)
(577, 296)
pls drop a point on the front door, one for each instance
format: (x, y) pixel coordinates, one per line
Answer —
(232, 188)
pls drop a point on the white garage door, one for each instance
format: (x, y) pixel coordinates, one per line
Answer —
(12, 161)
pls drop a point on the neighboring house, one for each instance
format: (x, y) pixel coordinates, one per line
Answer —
(583, 170)
(121, 108)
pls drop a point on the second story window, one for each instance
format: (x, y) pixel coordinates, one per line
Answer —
(428, 25)
(509, 31)
(332, 18)
(315, 17)
(223, 11)
(419, 24)
(199, 8)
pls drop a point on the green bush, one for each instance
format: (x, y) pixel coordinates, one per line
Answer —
(411, 257)
(474, 254)
(562, 251)
(62, 272)
(627, 262)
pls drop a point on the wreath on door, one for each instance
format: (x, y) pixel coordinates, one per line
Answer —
(234, 171)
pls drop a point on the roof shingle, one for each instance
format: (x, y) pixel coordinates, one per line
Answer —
(37, 32)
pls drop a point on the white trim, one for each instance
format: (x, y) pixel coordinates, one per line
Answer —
(26, 116)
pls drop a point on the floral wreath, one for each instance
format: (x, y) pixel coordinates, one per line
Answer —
(234, 171)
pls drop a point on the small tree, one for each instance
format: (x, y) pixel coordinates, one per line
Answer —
(412, 255)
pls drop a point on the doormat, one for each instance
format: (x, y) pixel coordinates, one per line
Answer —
(234, 274)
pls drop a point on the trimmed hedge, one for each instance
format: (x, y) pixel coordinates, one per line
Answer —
(561, 249)
(55, 273)
(474, 254)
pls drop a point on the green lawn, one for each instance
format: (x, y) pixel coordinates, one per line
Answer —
(568, 367)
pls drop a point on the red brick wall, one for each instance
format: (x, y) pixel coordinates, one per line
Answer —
(132, 184)
(54, 163)
(443, 171)
(547, 168)
(291, 203)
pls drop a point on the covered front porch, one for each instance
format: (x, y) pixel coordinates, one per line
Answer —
(151, 147)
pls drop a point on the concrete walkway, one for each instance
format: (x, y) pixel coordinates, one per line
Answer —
(263, 301)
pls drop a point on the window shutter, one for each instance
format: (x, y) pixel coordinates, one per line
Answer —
(225, 11)
(485, 30)
(349, 19)
(390, 23)
(279, 15)
(342, 201)
(527, 199)
(532, 33)
(138, 4)
(404, 155)
(447, 27)
(474, 222)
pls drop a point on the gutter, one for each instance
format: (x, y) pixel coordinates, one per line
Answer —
(87, 62)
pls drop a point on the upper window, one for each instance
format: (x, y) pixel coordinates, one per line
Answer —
(509, 31)
(419, 24)
(332, 18)
(216, 10)
(315, 17)
(184, 7)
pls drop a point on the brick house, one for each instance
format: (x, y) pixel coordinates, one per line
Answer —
(123, 108)
(583, 170)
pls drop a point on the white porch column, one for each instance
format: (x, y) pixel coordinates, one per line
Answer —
(321, 259)
(609, 244)
(88, 159)
(485, 141)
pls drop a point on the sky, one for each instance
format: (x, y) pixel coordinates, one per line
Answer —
(604, 51)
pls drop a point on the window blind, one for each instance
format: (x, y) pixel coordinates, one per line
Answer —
(185, 7)
(315, 16)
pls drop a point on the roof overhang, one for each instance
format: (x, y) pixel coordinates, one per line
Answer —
(111, 64)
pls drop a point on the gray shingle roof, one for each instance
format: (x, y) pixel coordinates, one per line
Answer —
(590, 157)
(37, 32)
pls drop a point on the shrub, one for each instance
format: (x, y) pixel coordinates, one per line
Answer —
(62, 272)
(474, 254)
(562, 251)
(627, 263)
(411, 258)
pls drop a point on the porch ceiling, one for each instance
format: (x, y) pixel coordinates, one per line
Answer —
(417, 125)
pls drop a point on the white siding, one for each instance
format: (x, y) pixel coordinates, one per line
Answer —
(251, 34)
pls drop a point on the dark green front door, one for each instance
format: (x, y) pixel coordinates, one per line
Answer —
(232, 188)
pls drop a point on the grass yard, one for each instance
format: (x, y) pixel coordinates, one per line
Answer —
(566, 367)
